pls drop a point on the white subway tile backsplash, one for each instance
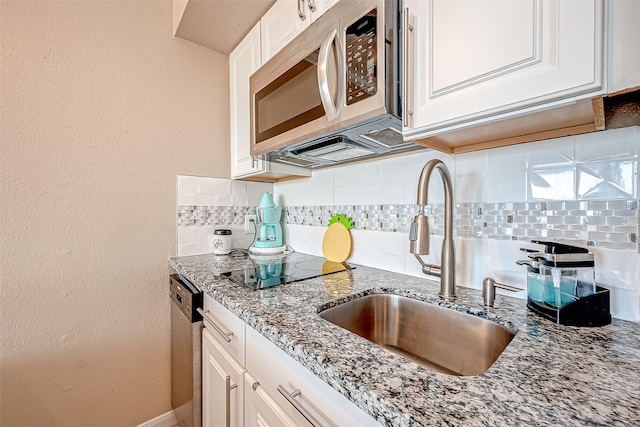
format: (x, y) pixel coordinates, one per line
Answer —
(472, 188)
(188, 249)
(613, 144)
(511, 158)
(207, 185)
(581, 189)
(187, 235)
(552, 183)
(560, 151)
(507, 185)
(187, 184)
(206, 199)
(237, 193)
(254, 192)
(473, 163)
(607, 180)
(205, 239)
(373, 193)
(187, 199)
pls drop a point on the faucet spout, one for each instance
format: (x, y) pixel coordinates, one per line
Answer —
(419, 234)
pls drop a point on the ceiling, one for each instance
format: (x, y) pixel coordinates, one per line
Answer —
(220, 24)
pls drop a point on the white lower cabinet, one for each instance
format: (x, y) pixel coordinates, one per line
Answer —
(271, 389)
(260, 409)
(222, 385)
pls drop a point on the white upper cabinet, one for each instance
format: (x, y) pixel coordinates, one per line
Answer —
(624, 33)
(286, 19)
(243, 61)
(473, 61)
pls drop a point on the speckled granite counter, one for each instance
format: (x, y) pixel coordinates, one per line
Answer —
(548, 375)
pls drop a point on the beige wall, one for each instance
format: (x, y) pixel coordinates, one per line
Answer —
(101, 108)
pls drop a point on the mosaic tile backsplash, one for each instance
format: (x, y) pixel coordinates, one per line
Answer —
(612, 224)
(197, 216)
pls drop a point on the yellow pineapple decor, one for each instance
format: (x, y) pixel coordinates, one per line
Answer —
(336, 244)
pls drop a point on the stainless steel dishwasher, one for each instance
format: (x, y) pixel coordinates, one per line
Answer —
(186, 352)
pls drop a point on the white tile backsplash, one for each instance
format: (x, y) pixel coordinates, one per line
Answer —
(552, 183)
(546, 171)
(557, 151)
(613, 144)
(506, 185)
(205, 194)
(574, 186)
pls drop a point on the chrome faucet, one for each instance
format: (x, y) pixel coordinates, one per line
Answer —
(419, 233)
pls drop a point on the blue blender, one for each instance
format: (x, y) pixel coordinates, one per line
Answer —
(269, 238)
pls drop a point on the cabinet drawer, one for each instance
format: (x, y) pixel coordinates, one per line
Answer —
(226, 328)
(274, 370)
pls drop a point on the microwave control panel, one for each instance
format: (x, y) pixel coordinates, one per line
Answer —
(361, 58)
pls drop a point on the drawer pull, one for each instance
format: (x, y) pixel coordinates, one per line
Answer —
(291, 399)
(223, 334)
(228, 389)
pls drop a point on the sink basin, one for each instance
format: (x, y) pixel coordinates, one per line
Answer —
(438, 338)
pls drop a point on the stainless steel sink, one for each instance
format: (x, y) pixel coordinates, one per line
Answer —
(438, 338)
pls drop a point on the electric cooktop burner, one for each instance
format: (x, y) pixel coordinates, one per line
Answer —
(266, 273)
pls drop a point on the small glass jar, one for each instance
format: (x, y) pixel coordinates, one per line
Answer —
(222, 242)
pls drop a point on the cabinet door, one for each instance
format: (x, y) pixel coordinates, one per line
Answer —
(243, 61)
(260, 409)
(488, 59)
(281, 24)
(222, 385)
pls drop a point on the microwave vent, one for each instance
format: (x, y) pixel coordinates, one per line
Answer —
(388, 137)
(296, 161)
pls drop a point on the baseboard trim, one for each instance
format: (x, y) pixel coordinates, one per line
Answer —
(168, 419)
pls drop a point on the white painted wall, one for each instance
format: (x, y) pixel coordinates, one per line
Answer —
(489, 176)
(101, 108)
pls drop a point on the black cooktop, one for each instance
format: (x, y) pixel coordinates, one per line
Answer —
(266, 273)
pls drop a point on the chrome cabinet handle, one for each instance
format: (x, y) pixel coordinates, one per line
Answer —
(331, 110)
(228, 389)
(225, 335)
(312, 5)
(301, 13)
(291, 399)
(408, 30)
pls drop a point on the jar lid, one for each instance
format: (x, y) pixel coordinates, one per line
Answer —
(222, 231)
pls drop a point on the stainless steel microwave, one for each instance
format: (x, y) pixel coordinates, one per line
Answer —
(334, 94)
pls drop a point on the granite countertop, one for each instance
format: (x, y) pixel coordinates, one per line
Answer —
(547, 375)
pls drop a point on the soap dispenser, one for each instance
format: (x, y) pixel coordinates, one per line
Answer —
(564, 287)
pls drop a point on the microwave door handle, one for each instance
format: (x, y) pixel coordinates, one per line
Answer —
(331, 110)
